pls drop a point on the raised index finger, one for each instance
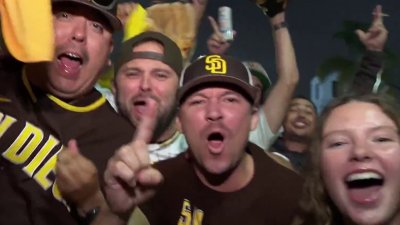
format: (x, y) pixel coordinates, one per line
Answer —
(145, 128)
(144, 133)
(378, 16)
(214, 25)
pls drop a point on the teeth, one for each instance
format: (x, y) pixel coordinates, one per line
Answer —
(73, 55)
(300, 124)
(363, 176)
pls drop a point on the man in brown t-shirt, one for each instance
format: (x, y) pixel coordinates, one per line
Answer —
(222, 178)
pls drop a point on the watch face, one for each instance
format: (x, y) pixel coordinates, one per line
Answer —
(91, 215)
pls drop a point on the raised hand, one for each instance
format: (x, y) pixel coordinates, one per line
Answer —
(216, 43)
(130, 178)
(271, 7)
(124, 10)
(375, 37)
(76, 178)
(199, 8)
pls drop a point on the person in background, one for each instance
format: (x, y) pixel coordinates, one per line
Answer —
(368, 77)
(298, 129)
(149, 68)
(274, 107)
(299, 123)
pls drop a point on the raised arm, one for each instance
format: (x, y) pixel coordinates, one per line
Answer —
(367, 78)
(277, 102)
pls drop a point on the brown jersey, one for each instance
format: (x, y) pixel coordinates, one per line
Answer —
(34, 126)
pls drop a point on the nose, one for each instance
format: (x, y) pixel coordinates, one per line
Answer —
(213, 111)
(302, 113)
(79, 30)
(145, 83)
(361, 152)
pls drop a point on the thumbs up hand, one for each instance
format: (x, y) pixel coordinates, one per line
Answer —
(76, 178)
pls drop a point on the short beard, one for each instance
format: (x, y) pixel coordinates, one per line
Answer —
(164, 121)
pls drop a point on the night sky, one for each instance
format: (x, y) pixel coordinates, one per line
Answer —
(312, 24)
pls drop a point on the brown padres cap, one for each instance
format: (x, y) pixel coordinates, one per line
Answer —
(218, 70)
(106, 7)
(171, 56)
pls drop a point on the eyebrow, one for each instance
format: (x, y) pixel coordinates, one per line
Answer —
(369, 130)
(227, 92)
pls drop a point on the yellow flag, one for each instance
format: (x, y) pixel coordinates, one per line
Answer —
(27, 29)
(136, 23)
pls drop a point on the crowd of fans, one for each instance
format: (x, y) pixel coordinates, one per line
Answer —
(178, 140)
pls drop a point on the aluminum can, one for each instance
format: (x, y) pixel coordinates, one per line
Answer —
(225, 22)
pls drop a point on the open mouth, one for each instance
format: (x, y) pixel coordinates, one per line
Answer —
(140, 103)
(216, 142)
(70, 63)
(364, 188)
(140, 106)
(364, 180)
(300, 122)
(70, 58)
(216, 136)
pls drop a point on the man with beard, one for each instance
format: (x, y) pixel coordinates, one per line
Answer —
(167, 141)
(299, 125)
(47, 106)
(222, 178)
(148, 69)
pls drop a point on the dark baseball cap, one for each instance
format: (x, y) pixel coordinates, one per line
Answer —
(217, 70)
(171, 55)
(107, 8)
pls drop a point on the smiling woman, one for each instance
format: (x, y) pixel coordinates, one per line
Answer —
(356, 160)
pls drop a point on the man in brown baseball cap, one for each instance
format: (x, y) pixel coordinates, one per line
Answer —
(57, 131)
(217, 110)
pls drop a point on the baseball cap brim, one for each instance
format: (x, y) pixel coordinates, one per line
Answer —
(171, 54)
(250, 92)
(262, 77)
(112, 19)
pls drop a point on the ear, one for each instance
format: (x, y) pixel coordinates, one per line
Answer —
(254, 118)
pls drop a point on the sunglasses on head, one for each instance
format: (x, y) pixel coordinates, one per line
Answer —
(105, 4)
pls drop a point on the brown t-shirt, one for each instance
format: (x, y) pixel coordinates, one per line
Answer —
(271, 197)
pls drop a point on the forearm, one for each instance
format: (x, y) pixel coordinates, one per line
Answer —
(286, 65)
(365, 78)
(277, 102)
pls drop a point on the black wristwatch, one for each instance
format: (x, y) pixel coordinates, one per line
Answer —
(87, 218)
